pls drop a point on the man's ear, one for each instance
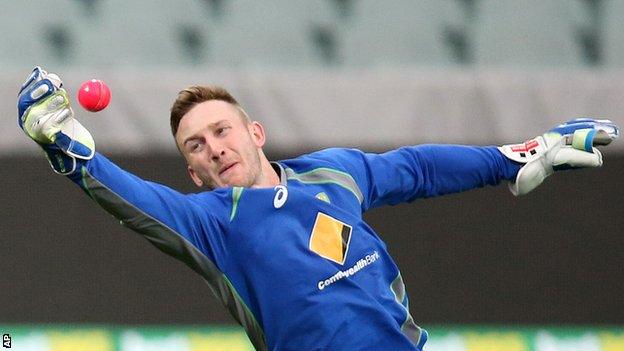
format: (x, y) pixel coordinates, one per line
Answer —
(257, 133)
(194, 176)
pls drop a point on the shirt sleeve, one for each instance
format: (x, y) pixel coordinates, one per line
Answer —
(169, 219)
(423, 171)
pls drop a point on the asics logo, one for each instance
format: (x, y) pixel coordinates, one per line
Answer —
(280, 196)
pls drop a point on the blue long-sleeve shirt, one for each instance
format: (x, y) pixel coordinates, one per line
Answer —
(296, 265)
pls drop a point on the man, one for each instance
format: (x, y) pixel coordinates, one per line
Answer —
(283, 244)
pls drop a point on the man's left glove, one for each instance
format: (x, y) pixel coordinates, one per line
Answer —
(45, 115)
(568, 145)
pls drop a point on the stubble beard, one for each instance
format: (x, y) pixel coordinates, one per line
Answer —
(249, 177)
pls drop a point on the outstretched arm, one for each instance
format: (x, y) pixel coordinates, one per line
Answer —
(169, 219)
(422, 171)
(174, 222)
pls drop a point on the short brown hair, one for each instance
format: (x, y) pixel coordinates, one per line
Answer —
(197, 94)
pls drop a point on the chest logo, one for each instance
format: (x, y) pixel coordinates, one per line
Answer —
(323, 197)
(280, 196)
(330, 238)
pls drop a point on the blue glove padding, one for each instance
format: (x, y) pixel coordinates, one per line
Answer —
(584, 133)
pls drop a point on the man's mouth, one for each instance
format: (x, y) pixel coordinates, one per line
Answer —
(227, 167)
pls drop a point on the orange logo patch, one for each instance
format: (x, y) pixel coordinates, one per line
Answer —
(330, 238)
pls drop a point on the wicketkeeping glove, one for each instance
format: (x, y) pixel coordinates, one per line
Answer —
(45, 115)
(568, 145)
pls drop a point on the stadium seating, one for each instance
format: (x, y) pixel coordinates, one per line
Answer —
(400, 32)
(318, 33)
(37, 32)
(125, 33)
(531, 33)
(270, 33)
(613, 44)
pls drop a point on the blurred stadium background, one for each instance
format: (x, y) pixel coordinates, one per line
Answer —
(485, 271)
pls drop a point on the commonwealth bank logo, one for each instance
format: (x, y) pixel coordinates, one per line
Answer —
(330, 238)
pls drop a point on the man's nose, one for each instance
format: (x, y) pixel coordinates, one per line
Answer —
(217, 156)
(216, 150)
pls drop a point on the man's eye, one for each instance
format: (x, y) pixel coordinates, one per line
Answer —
(222, 130)
(194, 146)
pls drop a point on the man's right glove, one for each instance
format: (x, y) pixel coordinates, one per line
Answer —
(567, 146)
(45, 115)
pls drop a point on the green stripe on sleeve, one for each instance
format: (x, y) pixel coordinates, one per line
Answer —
(169, 241)
(325, 175)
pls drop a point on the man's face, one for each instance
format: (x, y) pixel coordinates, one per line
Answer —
(221, 148)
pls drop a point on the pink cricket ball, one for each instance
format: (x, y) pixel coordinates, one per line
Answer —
(94, 95)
